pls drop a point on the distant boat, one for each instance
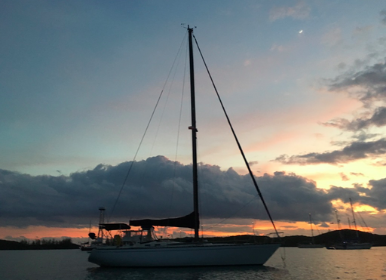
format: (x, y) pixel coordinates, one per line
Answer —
(95, 240)
(312, 244)
(151, 252)
(355, 243)
(347, 245)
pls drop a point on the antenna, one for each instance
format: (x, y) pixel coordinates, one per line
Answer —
(184, 25)
(101, 221)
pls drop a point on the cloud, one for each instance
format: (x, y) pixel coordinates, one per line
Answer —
(354, 151)
(374, 196)
(356, 174)
(344, 176)
(383, 16)
(157, 187)
(378, 119)
(367, 85)
(300, 11)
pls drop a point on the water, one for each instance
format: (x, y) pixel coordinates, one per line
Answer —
(299, 264)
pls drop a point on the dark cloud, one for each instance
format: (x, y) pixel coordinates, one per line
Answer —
(354, 151)
(374, 196)
(362, 137)
(371, 83)
(324, 225)
(158, 187)
(377, 119)
(367, 85)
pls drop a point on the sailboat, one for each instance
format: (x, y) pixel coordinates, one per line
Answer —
(146, 251)
(353, 244)
(312, 244)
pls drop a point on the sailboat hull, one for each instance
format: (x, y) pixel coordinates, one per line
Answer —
(350, 246)
(189, 255)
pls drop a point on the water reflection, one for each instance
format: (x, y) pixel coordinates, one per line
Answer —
(197, 273)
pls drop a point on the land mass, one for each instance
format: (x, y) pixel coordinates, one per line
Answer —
(44, 244)
(327, 239)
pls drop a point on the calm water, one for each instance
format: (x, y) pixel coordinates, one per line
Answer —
(299, 264)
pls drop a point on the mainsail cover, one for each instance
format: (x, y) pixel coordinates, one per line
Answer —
(114, 226)
(185, 221)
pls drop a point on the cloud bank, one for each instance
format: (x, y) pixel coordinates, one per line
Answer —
(159, 188)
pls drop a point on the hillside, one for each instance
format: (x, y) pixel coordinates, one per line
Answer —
(327, 238)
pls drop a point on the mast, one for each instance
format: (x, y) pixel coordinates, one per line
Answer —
(194, 138)
(337, 219)
(312, 230)
(101, 221)
(338, 222)
(353, 218)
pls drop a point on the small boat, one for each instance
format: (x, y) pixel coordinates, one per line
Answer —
(148, 251)
(312, 243)
(347, 245)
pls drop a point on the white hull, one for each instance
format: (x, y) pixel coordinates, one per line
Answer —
(184, 255)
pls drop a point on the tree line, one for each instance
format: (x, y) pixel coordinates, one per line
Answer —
(38, 244)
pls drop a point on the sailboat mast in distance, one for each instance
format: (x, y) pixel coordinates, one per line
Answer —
(194, 138)
(312, 230)
(353, 215)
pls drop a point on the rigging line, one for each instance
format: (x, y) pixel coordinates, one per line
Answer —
(135, 156)
(238, 143)
(367, 228)
(144, 134)
(179, 127)
(169, 89)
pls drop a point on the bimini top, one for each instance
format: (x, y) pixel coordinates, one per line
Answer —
(114, 226)
(185, 221)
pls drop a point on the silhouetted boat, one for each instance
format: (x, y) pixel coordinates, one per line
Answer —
(355, 243)
(312, 243)
(150, 252)
(348, 245)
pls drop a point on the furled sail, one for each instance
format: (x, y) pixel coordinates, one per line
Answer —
(185, 221)
(114, 226)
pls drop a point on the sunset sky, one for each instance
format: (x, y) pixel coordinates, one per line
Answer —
(304, 83)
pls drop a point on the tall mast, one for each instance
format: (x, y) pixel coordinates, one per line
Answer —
(312, 230)
(194, 138)
(101, 221)
(353, 215)
(353, 218)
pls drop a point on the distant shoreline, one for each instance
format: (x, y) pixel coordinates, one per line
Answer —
(45, 244)
(286, 241)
